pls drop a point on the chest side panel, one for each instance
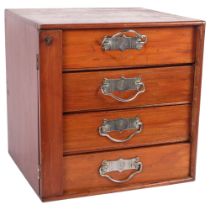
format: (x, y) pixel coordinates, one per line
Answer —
(22, 96)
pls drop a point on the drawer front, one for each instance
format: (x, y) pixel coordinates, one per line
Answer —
(88, 131)
(84, 91)
(155, 164)
(84, 49)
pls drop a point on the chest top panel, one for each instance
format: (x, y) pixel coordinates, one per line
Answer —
(99, 17)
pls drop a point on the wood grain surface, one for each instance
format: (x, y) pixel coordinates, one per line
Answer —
(81, 91)
(200, 32)
(83, 49)
(55, 105)
(51, 133)
(22, 45)
(160, 125)
(81, 172)
(99, 18)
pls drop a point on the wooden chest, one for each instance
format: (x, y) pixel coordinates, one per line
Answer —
(102, 100)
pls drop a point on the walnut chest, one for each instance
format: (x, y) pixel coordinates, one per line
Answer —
(102, 100)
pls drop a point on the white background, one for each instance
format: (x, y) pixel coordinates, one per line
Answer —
(15, 192)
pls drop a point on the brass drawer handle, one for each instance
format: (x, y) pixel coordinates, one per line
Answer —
(120, 41)
(120, 125)
(120, 165)
(123, 84)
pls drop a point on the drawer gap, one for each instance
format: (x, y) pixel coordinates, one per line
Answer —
(128, 108)
(123, 68)
(127, 148)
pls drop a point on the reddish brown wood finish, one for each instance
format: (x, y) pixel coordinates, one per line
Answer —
(159, 164)
(67, 195)
(83, 49)
(200, 31)
(22, 97)
(51, 133)
(69, 18)
(81, 91)
(81, 130)
(66, 89)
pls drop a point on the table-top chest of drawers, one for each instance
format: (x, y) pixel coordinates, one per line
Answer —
(102, 100)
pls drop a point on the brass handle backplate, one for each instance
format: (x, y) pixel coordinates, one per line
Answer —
(120, 41)
(120, 165)
(120, 125)
(122, 84)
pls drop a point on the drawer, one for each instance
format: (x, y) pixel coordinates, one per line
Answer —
(144, 166)
(83, 49)
(83, 91)
(127, 128)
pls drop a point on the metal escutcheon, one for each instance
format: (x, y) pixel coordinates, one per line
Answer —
(109, 86)
(120, 41)
(120, 165)
(120, 125)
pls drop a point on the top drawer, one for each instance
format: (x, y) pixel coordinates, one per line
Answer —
(84, 48)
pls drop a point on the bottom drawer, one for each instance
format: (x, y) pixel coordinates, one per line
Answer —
(152, 165)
